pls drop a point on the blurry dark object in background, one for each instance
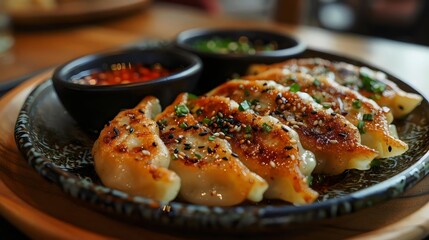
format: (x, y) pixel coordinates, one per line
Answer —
(210, 6)
(402, 20)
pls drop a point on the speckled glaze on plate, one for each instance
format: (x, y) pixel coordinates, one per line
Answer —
(56, 147)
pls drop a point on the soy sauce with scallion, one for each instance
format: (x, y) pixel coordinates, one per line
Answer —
(226, 45)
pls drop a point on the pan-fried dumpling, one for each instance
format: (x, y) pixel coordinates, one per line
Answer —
(334, 140)
(211, 173)
(371, 120)
(369, 83)
(130, 156)
(263, 144)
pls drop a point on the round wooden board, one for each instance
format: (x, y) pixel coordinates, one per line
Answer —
(41, 210)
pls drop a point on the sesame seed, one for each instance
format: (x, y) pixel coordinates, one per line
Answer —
(341, 134)
(146, 152)
(285, 128)
(272, 164)
(203, 133)
(182, 154)
(116, 131)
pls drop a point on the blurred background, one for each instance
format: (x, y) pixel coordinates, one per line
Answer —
(401, 20)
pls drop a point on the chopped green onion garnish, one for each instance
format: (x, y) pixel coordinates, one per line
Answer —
(197, 155)
(212, 138)
(371, 85)
(294, 87)
(181, 110)
(192, 96)
(254, 101)
(183, 125)
(248, 129)
(317, 100)
(162, 122)
(266, 128)
(356, 104)
(326, 105)
(207, 121)
(361, 127)
(375, 96)
(316, 82)
(244, 105)
(367, 117)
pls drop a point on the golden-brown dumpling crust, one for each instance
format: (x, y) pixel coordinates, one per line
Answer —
(211, 173)
(130, 156)
(400, 102)
(334, 140)
(262, 143)
(372, 119)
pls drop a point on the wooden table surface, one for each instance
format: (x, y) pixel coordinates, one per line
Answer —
(41, 210)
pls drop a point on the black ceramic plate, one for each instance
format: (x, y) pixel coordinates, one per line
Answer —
(60, 151)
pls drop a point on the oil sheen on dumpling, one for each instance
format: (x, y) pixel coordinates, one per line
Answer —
(130, 156)
(211, 173)
(263, 144)
(371, 120)
(334, 140)
(369, 83)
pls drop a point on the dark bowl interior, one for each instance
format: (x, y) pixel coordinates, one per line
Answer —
(220, 67)
(93, 106)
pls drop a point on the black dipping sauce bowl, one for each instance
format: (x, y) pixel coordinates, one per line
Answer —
(92, 106)
(219, 67)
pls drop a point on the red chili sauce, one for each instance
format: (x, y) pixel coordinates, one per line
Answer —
(123, 73)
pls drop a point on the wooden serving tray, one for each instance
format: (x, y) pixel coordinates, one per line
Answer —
(41, 210)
